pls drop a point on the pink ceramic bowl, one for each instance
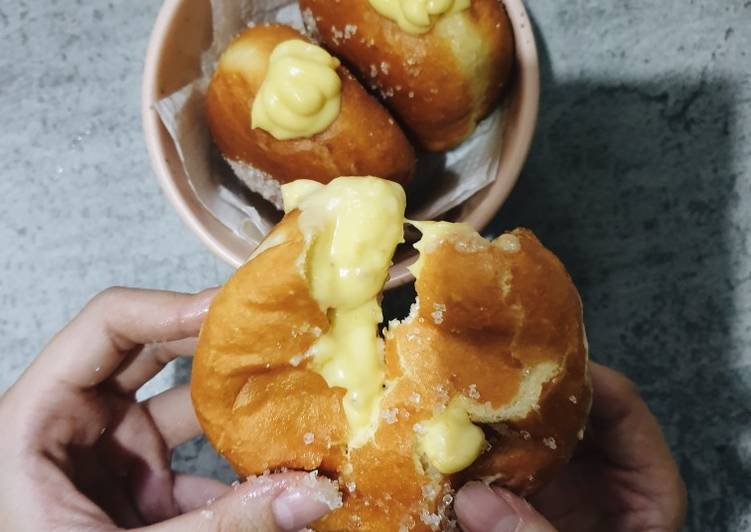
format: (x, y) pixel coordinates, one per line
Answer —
(183, 31)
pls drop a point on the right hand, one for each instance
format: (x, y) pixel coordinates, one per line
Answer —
(622, 479)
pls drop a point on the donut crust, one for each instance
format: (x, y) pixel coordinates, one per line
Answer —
(485, 321)
(363, 140)
(436, 92)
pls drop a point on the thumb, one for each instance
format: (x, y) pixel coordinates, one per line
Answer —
(480, 508)
(271, 503)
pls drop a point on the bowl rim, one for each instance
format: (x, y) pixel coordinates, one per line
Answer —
(152, 124)
(527, 73)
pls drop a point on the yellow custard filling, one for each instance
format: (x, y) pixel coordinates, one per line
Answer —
(450, 440)
(353, 225)
(301, 93)
(418, 16)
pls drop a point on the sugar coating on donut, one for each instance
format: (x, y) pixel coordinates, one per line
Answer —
(442, 367)
(459, 66)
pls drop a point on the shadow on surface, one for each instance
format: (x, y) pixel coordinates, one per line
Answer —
(630, 182)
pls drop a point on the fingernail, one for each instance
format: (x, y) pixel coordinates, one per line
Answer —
(294, 509)
(480, 509)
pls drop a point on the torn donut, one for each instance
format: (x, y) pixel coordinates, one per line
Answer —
(485, 379)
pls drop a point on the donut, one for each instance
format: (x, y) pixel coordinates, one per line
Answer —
(485, 379)
(440, 66)
(279, 106)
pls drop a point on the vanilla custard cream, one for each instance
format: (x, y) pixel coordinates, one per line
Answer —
(353, 226)
(417, 16)
(450, 440)
(301, 93)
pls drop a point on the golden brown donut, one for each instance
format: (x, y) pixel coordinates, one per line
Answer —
(496, 325)
(439, 84)
(363, 139)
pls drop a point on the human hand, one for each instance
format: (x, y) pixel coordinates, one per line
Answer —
(78, 452)
(622, 478)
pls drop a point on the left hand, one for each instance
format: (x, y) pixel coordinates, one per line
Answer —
(78, 452)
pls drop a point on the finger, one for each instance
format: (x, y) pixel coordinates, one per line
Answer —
(173, 414)
(193, 492)
(287, 502)
(629, 437)
(94, 344)
(147, 362)
(622, 424)
(480, 508)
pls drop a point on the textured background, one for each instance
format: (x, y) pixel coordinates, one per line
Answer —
(639, 179)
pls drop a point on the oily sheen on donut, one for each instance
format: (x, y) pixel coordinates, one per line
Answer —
(278, 110)
(485, 379)
(440, 65)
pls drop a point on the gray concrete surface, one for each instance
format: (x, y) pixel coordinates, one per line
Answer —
(639, 178)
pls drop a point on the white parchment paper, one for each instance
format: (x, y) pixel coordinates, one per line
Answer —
(443, 181)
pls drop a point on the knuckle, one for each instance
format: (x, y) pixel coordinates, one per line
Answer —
(626, 387)
(162, 353)
(630, 387)
(109, 296)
